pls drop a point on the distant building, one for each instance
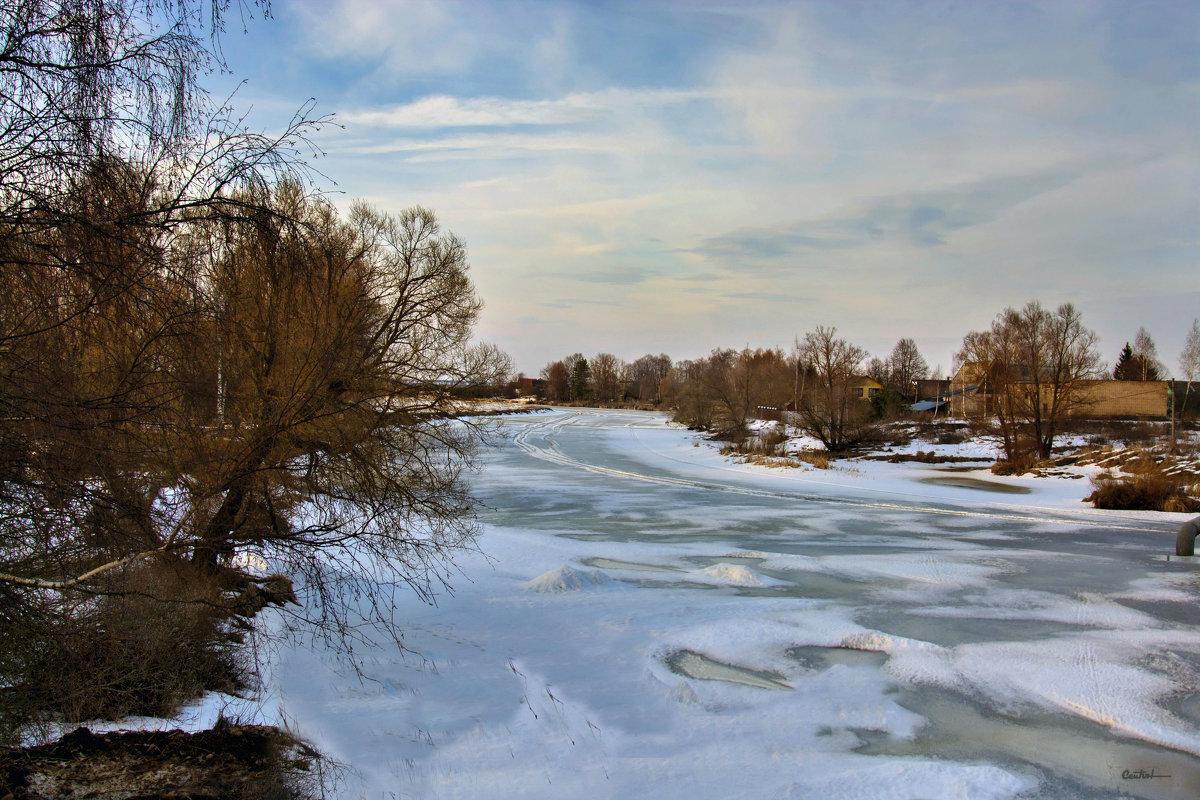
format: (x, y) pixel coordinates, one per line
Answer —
(863, 387)
(531, 387)
(972, 395)
(930, 389)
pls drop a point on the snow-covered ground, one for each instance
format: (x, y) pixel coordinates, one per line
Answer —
(651, 619)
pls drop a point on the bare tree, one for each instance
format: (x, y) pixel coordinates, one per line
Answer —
(906, 365)
(337, 343)
(826, 408)
(285, 400)
(1146, 351)
(1189, 357)
(115, 166)
(647, 373)
(558, 381)
(877, 369)
(606, 377)
(1034, 364)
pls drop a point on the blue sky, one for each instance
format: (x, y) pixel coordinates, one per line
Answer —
(673, 177)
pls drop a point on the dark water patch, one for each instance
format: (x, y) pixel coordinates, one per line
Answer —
(950, 631)
(979, 484)
(1185, 705)
(614, 563)
(651, 583)
(822, 658)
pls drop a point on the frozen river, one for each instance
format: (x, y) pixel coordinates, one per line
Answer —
(652, 620)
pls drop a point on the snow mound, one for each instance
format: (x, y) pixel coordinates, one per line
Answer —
(567, 579)
(734, 574)
(683, 693)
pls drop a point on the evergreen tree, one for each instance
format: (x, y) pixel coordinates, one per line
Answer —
(1133, 366)
(581, 378)
(1123, 360)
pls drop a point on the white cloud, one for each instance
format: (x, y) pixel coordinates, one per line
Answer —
(443, 111)
(491, 146)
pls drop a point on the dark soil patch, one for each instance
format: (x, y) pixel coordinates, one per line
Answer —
(230, 761)
(924, 458)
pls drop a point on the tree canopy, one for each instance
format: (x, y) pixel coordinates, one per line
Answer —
(1033, 363)
(204, 368)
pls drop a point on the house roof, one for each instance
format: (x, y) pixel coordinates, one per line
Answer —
(864, 382)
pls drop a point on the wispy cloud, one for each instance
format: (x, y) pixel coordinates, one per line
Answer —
(924, 219)
(444, 111)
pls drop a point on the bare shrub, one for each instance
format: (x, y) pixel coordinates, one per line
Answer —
(768, 443)
(817, 458)
(896, 435)
(1017, 465)
(147, 645)
(1147, 491)
(922, 457)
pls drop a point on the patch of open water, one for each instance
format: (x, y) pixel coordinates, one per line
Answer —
(979, 484)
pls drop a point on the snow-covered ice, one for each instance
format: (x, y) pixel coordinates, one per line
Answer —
(650, 619)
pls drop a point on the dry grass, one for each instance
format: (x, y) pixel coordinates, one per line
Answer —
(922, 457)
(818, 458)
(1014, 466)
(1149, 490)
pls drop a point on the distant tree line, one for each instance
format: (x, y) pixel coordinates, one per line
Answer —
(1035, 363)
(724, 391)
(605, 379)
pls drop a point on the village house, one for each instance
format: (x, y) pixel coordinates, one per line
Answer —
(863, 387)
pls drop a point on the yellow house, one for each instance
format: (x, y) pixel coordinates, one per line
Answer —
(863, 387)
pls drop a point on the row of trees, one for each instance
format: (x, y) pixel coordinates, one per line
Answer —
(605, 378)
(725, 390)
(818, 380)
(1033, 364)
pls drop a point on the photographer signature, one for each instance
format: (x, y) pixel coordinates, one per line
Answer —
(1140, 775)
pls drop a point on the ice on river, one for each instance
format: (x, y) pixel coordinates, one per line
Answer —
(652, 620)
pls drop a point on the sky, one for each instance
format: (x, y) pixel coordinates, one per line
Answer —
(673, 177)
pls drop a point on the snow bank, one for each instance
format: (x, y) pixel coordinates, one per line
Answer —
(567, 579)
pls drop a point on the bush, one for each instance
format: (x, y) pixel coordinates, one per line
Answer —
(1147, 491)
(767, 443)
(817, 458)
(111, 656)
(1014, 466)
